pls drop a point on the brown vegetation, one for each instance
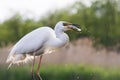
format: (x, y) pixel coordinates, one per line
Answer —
(77, 52)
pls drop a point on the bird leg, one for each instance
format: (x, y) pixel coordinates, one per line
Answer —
(32, 70)
(38, 68)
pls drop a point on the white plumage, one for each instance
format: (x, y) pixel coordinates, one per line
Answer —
(40, 41)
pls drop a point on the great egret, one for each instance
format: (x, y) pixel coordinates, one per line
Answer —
(38, 42)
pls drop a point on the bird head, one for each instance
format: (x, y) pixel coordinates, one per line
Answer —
(65, 26)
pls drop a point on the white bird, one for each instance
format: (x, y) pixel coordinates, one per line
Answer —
(38, 42)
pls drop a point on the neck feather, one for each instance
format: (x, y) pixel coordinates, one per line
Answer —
(60, 34)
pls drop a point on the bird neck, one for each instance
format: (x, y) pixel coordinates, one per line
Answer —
(61, 35)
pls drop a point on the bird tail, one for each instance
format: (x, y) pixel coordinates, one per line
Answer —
(10, 65)
(18, 59)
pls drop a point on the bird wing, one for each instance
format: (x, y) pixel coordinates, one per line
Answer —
(33, 40)
(28, 44)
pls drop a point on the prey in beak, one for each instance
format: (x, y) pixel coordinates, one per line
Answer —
(71, 26)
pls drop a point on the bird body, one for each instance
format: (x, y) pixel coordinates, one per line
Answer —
(38, 42)
(41, 40)
(33, 41)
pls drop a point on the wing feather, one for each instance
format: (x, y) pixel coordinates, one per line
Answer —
(30, 43)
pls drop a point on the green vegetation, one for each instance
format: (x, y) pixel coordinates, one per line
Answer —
(100, 21)
(68, 72)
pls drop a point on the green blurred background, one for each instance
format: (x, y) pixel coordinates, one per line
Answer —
(100, 22)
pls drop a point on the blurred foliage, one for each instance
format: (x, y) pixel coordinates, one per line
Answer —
(100, 21)
(58, 72)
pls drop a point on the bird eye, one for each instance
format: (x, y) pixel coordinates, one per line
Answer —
(65, 24)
